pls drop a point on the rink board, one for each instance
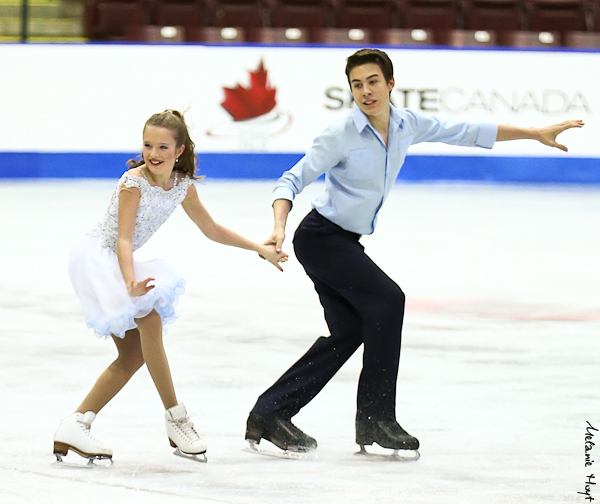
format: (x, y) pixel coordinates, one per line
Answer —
(271, 166)
(74, 109)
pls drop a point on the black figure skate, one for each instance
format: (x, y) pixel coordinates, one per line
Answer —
(387, 434)
(294, 443)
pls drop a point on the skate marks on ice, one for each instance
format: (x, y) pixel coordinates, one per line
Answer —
(281, 454)
(395, 456)
(500, 348)
(499, 309)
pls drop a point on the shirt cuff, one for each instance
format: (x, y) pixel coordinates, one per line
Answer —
(487, 135)
(282, 193)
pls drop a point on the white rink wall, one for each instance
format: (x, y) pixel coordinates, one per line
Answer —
(93, 99)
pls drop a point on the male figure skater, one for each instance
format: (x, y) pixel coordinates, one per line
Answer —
(361, 157)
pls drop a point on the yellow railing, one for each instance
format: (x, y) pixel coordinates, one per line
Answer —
(13, 3)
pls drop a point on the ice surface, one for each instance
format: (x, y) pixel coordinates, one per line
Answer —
(499, 371)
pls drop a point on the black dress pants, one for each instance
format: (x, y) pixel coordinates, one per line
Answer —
(362, 305)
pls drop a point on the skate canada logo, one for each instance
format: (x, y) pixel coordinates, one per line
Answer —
(455, 100)
(254, 113)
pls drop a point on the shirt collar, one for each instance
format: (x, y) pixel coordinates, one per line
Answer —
(361, 121)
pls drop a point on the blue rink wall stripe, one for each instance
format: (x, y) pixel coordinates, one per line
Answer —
(270, 166)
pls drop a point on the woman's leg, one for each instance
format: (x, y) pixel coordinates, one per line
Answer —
(150, 328)
(112, 380)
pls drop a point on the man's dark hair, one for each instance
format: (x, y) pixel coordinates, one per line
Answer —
(364, 56)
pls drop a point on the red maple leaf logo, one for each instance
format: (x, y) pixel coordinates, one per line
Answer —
(242, 103)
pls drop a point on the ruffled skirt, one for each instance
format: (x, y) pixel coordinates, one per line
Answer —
(98, 282)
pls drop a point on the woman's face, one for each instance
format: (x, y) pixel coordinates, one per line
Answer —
(160, 149)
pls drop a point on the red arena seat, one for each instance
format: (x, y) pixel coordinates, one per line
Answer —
(403, 36)
(557, 15)
(470, 38)
(280, 35)
(242, 13)
(342, 36)
(439, 16)
(220, 35)
(497, 15)
(372, 14)
(299, 14)
(188, 14)
(163, 34)
(116, 20)
(587, 40)
(530, 39)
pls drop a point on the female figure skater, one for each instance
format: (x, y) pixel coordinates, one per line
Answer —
(115, 290)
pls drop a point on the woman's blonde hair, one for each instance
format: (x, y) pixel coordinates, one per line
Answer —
(173, 120)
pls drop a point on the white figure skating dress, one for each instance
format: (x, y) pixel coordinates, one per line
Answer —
(94, 269)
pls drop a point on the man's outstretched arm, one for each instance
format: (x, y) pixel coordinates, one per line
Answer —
(546, 135)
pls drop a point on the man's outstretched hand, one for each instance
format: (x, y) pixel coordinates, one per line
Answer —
(548, 134)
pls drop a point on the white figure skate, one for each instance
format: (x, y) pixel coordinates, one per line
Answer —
(182, 435)
(74, 434)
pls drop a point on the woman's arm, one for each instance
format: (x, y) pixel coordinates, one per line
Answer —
(220, 234)
(546, 135)
(129, 199)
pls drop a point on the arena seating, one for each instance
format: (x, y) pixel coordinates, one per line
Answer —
(242, 13)
(370, 14)
(179, 13)
(559, 16)
(116, 20)
(497, 15)
(461, 23)
(300, 13)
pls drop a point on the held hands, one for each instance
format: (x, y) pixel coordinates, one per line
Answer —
(269, 253)
(271, 248)
(277, 237)
(548, 134)
(135, 288)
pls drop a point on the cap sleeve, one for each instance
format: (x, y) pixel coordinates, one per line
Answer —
(185, 183)
(129, 181)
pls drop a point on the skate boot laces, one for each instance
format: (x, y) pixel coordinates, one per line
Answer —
(295, 430)
(298, 440)
(396, 428)
(85, 423)
(186, 426)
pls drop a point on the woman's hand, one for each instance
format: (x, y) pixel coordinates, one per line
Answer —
(140, 288)
(269, 253)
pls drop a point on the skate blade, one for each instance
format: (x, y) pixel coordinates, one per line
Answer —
(200, 457)
(282, 454)
(91, 462)
(395, 456)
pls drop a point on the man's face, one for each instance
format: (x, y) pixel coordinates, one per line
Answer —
(370, 90)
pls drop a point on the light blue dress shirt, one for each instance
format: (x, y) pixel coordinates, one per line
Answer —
(360, 170)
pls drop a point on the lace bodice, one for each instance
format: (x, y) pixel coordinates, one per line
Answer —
(155, 207)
